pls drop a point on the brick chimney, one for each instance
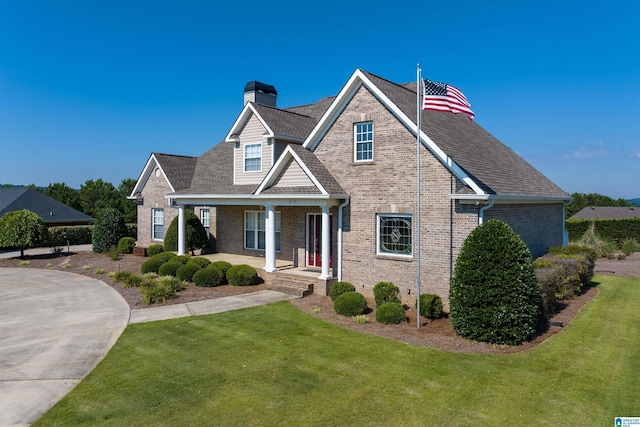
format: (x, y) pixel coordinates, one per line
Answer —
(260, 93)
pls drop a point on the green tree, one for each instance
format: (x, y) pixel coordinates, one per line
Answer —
(98, 195)
(23, 229)
(128, 207)
(64, 194)
(195, 236)
(108, 229)
(494, 294)
(581, 200)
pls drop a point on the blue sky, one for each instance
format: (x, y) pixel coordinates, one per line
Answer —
(88, 89)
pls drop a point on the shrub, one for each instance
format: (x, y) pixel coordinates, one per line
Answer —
(152, 265)
(108, 229)
(23, 229)
(550, 279)
(157, 293)
(339, 288)
(224, 266)
(390, 313)
(430, 306)
(385, 292)
(208, 276)
(494, 294)
(126, 244)
(72, 235)
(199, 261)
(242, 275)
(195, 236)
(182, 259)
(169, 268)
(186, 272)
(155, 249)
(350, 304)
(172, 282)
(628, 246)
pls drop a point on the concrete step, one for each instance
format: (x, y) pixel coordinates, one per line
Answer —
(298, 290)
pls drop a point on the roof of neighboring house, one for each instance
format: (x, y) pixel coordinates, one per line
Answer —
(50, 210)
(607, 212)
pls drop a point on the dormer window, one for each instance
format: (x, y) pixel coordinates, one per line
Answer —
(253, 158)
(363, 142)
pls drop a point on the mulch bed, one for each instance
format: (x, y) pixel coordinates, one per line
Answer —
(437, 334)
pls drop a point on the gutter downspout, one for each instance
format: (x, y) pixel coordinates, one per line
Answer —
(340, 208)
(484, 208)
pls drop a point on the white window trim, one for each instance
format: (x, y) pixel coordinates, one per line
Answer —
(208, 218)
(356, 142)
(390, 254)
(244, 155)
(153, 223)
(278, 225)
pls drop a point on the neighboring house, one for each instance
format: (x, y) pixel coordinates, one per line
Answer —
(607, 212)
(332, 186)
(52, 212)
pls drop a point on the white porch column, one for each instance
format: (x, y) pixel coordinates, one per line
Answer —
(180, 230)
(270, 238)
(326, 243)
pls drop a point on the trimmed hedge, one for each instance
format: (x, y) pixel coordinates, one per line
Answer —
(430, 306)
(350, 304)
(74, 235)
(385, 292)
(126, 244)
(390, 313)
(242, 275)
(339, 288)
(186, 272)
(155, 249)
(208, 276)
(614, 229)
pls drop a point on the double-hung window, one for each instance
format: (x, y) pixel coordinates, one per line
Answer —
(253, 157)
(254, 230)
(205, 218)
(363, 141)
(394, 235)
(157, 223)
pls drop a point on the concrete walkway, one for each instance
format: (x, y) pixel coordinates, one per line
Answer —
(55, 327)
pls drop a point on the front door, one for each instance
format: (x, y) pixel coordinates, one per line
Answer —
(314, 240)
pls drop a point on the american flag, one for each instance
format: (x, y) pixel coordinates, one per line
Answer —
(444, 97)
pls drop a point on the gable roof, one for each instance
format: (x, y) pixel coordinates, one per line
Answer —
(50, 210)
(607, 212)
(178, 171)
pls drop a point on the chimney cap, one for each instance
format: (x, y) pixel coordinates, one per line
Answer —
(256, 86)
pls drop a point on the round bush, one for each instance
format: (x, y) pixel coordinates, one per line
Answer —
(222, 265)
(242, 275)
(390, 313)
(126, 244)
(339, 288)
(155, 249)
(152, 265)
(186, 272)
(182, 259)
(350, 304)
(169, 268)
(208, 276)
(164, 256)
(494, 295)
(199, 261)
(385, 292)
(430, 306)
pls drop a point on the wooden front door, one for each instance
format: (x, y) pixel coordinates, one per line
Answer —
(314, 240)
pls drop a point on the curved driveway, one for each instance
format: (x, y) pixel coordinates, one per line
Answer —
(54, 329)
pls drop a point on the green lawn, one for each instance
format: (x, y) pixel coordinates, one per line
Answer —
(275, 365)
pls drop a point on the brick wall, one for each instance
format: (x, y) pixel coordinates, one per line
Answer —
(153, 192)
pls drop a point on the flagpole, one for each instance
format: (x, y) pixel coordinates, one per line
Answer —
(418, 244)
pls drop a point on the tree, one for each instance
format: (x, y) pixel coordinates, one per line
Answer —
(581, 201)
(98, 195)
(23, 229)
(195, 236)
(494, 294)
(128, 207)
(107, 230)
(64, 194)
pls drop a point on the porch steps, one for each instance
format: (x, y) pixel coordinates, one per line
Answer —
(291, 284)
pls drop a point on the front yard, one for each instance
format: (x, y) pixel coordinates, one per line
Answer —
(275, 365)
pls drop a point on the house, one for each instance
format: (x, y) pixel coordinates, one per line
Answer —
(52, 212)
(607, 212)
(331, 187)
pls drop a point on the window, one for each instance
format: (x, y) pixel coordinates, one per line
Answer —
(363, 138)
(253, 158)
(394, 235)
(205, 219)
(254, 230)
(157, 223)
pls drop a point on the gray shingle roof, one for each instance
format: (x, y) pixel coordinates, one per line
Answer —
(50, 210)
(283, 122)
(493, 165)
(318, 170)
(178, 169)
(607, 212)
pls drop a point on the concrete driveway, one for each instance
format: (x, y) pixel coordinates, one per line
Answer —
(54, 329)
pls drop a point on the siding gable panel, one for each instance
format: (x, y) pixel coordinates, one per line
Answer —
(252, 133)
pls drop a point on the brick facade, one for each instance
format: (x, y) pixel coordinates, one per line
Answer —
(153, 194)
